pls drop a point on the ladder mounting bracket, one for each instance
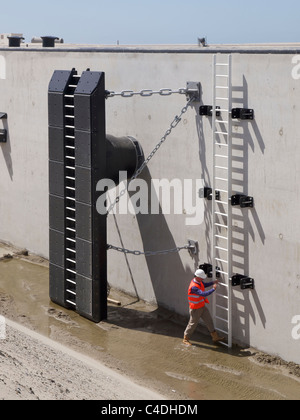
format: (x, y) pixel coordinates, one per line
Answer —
(193, 91)
(243, 281)
(207, 111)
(3, 136)
(208, 270)
(242, 114)
(243, 201)
(207, 193)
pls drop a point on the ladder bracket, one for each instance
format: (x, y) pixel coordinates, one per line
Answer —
(3, 136)
(208, 270)
(243, 281)
(207, 193)
(243, 201)
(207, 111)
(193, 91)
(242, 114)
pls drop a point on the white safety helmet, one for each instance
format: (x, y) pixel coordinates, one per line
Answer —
(201, 275)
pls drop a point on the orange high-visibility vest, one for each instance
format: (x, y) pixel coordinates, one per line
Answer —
(196, 301)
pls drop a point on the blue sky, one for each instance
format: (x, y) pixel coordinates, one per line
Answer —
(154, 21)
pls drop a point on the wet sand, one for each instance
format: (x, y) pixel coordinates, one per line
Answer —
(141, 342)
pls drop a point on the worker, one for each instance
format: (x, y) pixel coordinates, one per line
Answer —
(197, 300)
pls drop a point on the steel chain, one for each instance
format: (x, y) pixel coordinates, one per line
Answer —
(146, 93)
(173, 125)
(147, 253)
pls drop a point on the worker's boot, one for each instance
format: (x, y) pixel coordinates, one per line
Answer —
(216, 338)
(186, 341)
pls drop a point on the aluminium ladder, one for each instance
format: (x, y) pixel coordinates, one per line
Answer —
(222, 192)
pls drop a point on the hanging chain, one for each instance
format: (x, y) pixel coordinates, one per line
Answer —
(146, 93)
(148, 253)
(173, 125)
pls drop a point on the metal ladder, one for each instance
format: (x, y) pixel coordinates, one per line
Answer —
(222, 192)
(70, 201)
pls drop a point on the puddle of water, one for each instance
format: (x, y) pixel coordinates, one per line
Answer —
(142, 342)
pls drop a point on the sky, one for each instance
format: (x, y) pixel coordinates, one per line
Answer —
(142, 22)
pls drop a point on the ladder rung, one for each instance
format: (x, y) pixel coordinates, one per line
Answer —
(221, 179)
(222, 122)
(74, 282)
(221, 249)
(71, 188)
(222, 75)
(222, 319)
(222, 144)
(221, 237)
(222, 87)
(220, 225)
(222, 272)
(70, 116)
(222, 202)
(70, 137)
(218, 167)
(221, 132)
(71, 271)
(69, 96)
(221, 260)
(70, 126)
(222, 156)
(223, 332)
(72, 261)
(222, 296)
(71, 209)
(222, 307)
(222, 64)
(223, 191)
(70, 291)
(223, 284)
(71, 250)
(222, 99)
(218, 213)
(71, 219)
(71, 178)
(69, 106)
(71, 303)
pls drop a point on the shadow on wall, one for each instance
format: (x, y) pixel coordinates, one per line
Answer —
(243, 228)
(170, 279)
(6, 150)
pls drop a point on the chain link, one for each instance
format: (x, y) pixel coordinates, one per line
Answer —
(173, 125)
(146, 93)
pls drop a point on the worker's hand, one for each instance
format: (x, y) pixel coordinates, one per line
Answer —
(215, 286)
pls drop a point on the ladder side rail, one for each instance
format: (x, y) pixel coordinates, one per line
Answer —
(214, 129)
(230, 323)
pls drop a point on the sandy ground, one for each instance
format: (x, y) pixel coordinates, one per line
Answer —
(33, 367)
(54, 354)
